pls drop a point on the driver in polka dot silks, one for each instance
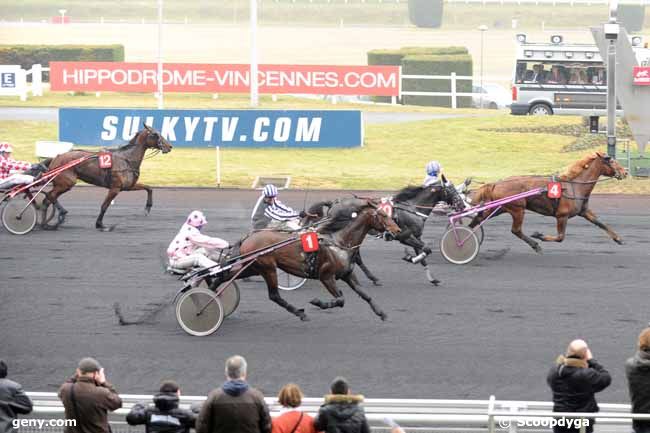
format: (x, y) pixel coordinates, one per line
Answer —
(189, 247)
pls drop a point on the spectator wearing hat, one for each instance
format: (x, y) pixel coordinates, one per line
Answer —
(292, 419)
(164, 416)
(341, 412)
(637, 371)
(234, 407)
(13, 401)
(575, 379)
(88, 397)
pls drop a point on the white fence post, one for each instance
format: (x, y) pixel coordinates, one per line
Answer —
(490, 416)
(21, 78)
(453, 90)
(37, 80)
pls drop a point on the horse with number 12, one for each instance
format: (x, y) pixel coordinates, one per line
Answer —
(118, 170)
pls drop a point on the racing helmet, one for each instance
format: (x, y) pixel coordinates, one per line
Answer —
(5, 147)
(270, 191)
(433, 168)
(196, 219)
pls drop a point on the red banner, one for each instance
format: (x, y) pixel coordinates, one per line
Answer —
(642, 75)
(197, 77)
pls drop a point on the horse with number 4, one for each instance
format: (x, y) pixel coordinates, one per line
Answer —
(118, 170)
(562, 197)
(326, 254)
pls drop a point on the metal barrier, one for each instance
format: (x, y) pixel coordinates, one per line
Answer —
(412, 414)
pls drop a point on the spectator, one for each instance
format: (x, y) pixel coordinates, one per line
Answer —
(292, 418)
(637, 371)
(575, 380)
(341, 412)
(235, 407)
(13, 401)
(556, 76)
(88, 397)
(165, 416)
(537, 75)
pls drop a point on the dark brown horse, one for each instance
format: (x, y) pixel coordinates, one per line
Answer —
(340, 238)
(577, 184)
(122, 176)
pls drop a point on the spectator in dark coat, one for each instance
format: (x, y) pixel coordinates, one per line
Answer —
(341, 412)
(574, 380)
(235, 407)
(164, 416)
(637, 371)
(88, 397)
(13, 401)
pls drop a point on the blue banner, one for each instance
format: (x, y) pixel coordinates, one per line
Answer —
(209, 128)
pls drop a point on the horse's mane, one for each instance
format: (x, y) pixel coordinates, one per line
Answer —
(408, 193)
(578, 167)
(340, 220)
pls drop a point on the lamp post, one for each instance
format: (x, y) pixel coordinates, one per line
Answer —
(611, 29)
(254, 89)
(62, 12)
(159, 73)
(483, 28)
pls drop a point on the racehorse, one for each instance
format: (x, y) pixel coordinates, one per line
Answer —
(412, 206)
(577, 184)
(122, 176)
(340, 238)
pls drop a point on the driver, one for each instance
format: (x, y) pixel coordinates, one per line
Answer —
(10, 169)
(269, 212)
(189, 247)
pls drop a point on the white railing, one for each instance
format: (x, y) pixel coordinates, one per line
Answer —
(485, 415)
(22, 87)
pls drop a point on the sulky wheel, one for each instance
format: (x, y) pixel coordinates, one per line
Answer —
(480, 233)
(459, 246)
(229, 298)
(19, 216)
(286, 281)
(199, 312)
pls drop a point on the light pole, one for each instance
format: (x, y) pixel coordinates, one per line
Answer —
(254, 89)
(159, 73)
(62, 12)
(483, 28)
(611, 29)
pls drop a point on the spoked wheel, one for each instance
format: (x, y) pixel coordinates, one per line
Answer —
(229, 298)
(287, 281)
(459, 246)
(480, 233)
(19, 216)
(199, 312)
(39, 204)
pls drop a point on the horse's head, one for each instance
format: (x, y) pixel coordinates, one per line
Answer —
(380, 221)
(609, 167)
(154, 140)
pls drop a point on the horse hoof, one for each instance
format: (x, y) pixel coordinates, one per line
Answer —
(435, 282)
(383, 316)
(619, 241)
(316, 302)
(304, 318)
(407, 258)
(376, 283)
(340, 302)
(147, 211)
(538, 249)
(48, 227)
(538, 235)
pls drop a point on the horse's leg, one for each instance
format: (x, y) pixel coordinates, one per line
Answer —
(352, 281)
(364, 268)
(271, 277)
(52, 199)
(561, 231)
(112, 193)
(330, 284)
(592, 218)
(517, 215)
(433, 280)
(140, 187)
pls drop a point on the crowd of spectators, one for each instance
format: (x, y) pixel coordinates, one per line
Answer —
(237, 407)
(561, 74)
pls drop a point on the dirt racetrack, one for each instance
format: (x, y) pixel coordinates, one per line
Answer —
(492, 327)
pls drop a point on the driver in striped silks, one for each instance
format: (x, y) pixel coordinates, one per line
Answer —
(270, 212)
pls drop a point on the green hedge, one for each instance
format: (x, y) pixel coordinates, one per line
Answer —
(28, 55)
(461, 64)
(425, 61)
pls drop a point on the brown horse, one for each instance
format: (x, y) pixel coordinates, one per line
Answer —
(122, 176)
(577, 184)
(340, 239)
